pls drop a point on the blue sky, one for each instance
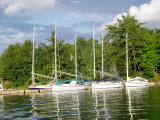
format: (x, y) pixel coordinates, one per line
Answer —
(17, 17)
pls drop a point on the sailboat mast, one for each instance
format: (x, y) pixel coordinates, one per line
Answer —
(76, 55)
(55, 51)
(94, 58)
(33, 57)
(127, 55)
(102, 57)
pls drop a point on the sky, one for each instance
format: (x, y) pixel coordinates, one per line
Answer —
(18, 17)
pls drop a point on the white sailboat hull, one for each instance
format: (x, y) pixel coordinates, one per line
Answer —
(136, 84)
(103, 85)
(1, 87)
(40, 87)
(68, 87)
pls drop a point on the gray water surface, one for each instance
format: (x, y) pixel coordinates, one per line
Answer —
(107, 104)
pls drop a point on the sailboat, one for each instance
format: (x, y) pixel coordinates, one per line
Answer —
(1, 86)
(72, 86)
(103, 84)
(137, 81)
(34, 86)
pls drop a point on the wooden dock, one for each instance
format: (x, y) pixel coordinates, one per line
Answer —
(21, 92)
(15, 92)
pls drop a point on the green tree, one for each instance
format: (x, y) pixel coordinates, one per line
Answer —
(16, 61)
(149, 59)
(116, 37)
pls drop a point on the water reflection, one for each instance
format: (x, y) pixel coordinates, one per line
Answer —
(135, 99)
(68, 103)
(1, 103)
(107, 104)
(100, 104)
(33, 103)
(103, 100)
(129, 103)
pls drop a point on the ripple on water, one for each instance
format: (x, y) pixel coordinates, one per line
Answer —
(112, 104)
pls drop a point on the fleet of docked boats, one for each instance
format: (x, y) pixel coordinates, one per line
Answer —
(73, 85)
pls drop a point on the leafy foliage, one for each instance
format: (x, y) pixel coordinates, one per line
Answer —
(16, 63)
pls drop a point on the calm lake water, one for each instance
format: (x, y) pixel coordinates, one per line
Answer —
(108, 104)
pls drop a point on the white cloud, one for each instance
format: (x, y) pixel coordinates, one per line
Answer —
(74, 15)
(12, 36)
(75, 1)
(67, 18)
(93, 17)
(147, 12)
(23, 7)
(102, 28)
(144, 13)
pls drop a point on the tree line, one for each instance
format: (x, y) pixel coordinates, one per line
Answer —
(143, 49)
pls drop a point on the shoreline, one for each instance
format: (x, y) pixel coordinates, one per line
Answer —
(27, 91)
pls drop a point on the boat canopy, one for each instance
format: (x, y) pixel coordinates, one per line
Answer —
(66, 81)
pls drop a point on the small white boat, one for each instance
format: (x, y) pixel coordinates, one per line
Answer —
(1, 87)
(136, 82)
(106, 84)
(73, 86)
(102, 85)
(34, 86)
